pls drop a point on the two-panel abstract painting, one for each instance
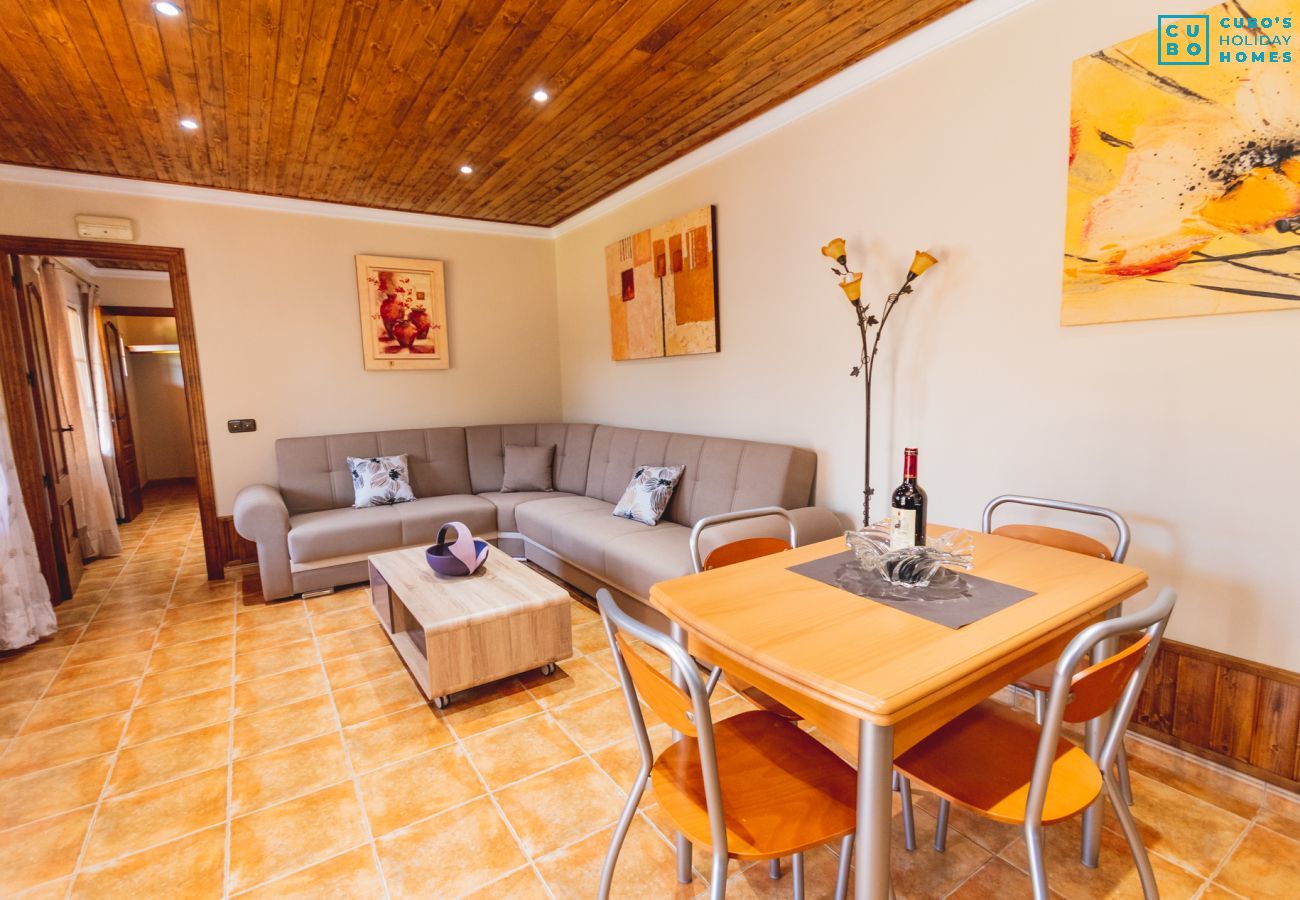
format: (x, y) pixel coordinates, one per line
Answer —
(662, 289)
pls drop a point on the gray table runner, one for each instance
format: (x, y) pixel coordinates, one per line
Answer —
(953, 599)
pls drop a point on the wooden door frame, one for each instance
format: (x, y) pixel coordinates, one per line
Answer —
(174, 258)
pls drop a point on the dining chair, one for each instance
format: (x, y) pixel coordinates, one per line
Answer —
(1001, 764)
(1039, 681)
(744, 550)
(740, 551)
(751, 786)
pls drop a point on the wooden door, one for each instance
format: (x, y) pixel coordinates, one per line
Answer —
(128, 467)
(54, 432)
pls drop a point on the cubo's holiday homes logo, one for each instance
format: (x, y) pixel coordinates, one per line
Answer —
(1200, 39)
(1183, 40)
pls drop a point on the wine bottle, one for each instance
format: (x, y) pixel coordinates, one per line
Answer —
(907, 508)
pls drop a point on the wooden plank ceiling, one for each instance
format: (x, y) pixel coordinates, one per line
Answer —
(379, 102)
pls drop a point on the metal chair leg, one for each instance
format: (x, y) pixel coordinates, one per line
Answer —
(1040, 706)
(842, 876)
(718, 876)
(796, 874)
(774, 869)
(620, 831)
(1133, 836)
(1037, 866)
(941, 826)
(909, 820)
(1121, 769)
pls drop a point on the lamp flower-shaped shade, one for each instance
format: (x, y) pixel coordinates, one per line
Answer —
(835, 250)
(920, 262)
(852, 286)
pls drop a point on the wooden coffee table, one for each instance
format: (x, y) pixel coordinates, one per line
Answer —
(457, 633)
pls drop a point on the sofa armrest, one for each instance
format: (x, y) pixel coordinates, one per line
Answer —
(262, 517)
(813, 523)
(260, 513)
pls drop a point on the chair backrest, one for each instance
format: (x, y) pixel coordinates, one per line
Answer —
(686, 711)
(1059, 537)
(745, 549)
(1110, 683)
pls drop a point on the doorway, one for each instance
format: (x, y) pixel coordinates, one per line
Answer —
(39, 421)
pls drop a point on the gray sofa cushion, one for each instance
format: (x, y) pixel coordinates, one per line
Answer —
(422, 519)
(507, 503)
(314, 471)
(329, 533)
(486, 446)
(722, 475)
(537, 520)
(637, 561)
(342, 532)
(529, 468)
(580, 530)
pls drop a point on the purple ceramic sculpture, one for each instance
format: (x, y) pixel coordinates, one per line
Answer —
(461, 557)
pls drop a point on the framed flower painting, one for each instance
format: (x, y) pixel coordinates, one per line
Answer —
(403, 309)
(1184, 172)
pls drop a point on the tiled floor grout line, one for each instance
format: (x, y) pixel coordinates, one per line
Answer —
(347, 753)
(126, 722)
(1228, 855)
(55, 677)
(589, 758)
(496, 804)
(230, 753)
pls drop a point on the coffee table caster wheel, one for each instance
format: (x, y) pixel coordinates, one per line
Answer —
(441, 702)
(548, 669)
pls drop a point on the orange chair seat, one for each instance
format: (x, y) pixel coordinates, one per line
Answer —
(984, 759)
(1041, 678)
(782, 791)
(1059, 538)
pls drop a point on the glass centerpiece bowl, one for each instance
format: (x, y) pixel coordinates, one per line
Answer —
(910, 566)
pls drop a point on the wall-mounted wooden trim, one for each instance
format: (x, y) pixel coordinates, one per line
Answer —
(174, 257)
(21, 415)
(236, 550)
(160, 311)
(1242, 714)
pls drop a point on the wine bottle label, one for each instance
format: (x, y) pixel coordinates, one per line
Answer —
(902, 528)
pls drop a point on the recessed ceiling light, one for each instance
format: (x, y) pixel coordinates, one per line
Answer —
(467, 170)
(167, 9)
(541, 96)
(189, 125)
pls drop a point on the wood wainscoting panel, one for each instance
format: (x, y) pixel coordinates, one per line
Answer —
(1242, 714)
(236, 550)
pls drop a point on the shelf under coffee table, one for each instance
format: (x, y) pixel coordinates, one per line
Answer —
(457, 633)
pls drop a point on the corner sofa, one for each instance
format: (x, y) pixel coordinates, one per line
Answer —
(310, 538)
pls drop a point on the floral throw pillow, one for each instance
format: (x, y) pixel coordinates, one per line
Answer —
(648, 493)
(380, 480)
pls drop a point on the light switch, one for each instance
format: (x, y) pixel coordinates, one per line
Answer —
(239, 426)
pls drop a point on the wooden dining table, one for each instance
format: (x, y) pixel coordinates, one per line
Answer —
(876, 680)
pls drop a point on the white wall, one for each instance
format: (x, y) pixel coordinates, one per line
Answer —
(275, 309)
(1187, 426)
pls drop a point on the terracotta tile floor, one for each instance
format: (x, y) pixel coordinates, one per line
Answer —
(184, 739)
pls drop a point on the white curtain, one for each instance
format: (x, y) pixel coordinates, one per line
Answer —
(26, 614)
(103, 415)
(91, 500)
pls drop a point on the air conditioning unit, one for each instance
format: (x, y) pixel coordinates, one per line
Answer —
(101, 228)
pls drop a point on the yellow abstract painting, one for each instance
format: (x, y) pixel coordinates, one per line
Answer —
(1184, 178)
